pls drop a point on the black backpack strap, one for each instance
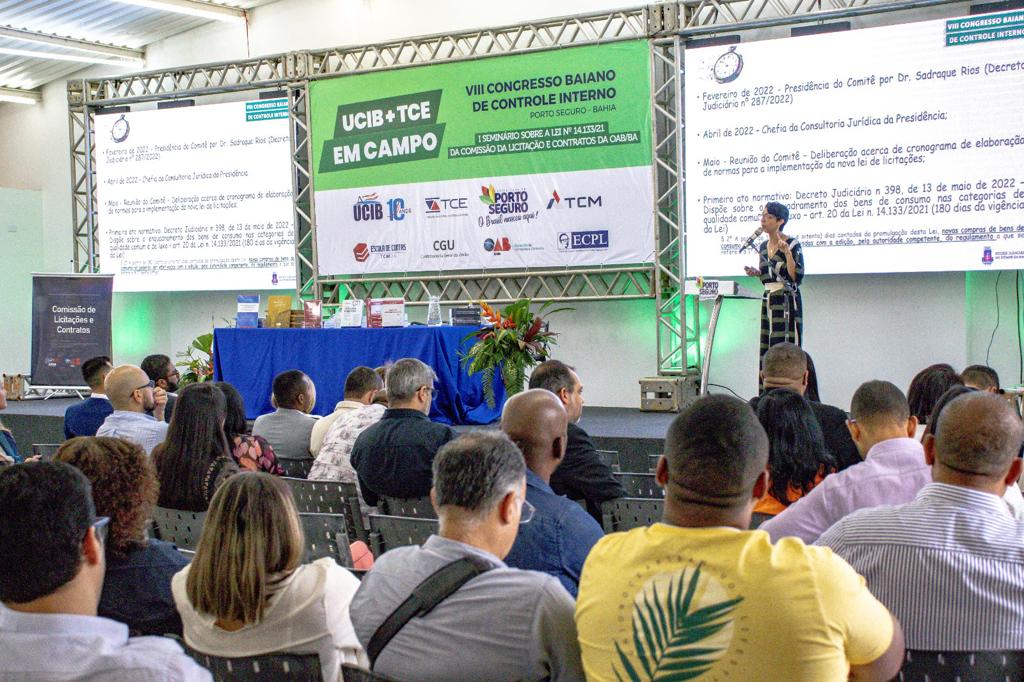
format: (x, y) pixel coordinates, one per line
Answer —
(434, 589)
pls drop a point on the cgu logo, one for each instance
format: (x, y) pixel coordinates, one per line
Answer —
(367, 208)
(444, 245)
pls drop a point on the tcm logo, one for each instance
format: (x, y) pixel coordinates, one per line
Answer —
(397, 209)
(497, 246)
(589, 240)
(441, 204)
(361, 252)
(573, 202)
(512, 201)
(446, 245)
(367, 208)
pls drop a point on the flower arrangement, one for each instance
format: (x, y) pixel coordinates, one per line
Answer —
(198, 360)
(516, 341)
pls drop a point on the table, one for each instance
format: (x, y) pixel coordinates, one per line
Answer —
(251, 358)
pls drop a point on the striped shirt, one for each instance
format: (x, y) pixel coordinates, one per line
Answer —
(949, 565)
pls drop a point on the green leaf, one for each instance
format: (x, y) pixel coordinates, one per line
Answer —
(665, 628)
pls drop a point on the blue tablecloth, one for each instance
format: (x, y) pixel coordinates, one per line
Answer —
(250, 358)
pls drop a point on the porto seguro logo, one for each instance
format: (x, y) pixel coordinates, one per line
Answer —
(512, 201)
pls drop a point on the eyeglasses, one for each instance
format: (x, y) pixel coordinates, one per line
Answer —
(527, 511)
(150, 384)
(430, 389)
(100, 527)
(174, 373)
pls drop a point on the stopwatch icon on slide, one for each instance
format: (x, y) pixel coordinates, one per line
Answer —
(119, 131)
(727, 67)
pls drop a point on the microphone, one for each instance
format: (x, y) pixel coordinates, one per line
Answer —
(750, 242)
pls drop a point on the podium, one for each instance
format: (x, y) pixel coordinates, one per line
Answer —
(718, 291)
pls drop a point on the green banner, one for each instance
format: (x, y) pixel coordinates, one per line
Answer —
(574, 109)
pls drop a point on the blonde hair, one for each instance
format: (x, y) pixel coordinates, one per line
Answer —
(251, 540)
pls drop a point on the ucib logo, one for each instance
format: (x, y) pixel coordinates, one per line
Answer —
(512, 201)
(368, 208)
(556, 201)
(497, 246)
(397, 209)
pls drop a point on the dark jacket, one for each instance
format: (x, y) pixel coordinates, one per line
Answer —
(833, 426)
(393, 458)
(583, 476)
(137, 589)
(84, 418)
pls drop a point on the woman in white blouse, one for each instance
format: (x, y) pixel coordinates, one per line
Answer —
(246, 593)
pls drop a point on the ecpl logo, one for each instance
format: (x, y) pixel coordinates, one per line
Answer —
(587, 240)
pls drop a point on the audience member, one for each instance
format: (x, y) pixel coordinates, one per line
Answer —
(893, 469)
(561, 533)
(51, 578)
(981, 377)
(699, 593)
(137, 586)
(925, 389)
(288, 428)
(382, 395)
(361, 386)
(784, 365)
(195, 459)
(8, 447)
(164, 375)
(950, 564)
(393, 457)
(132, 394)
(84, 418)
(334, 461)
(504, 623)
(251, 453)
(811, 392)
(797, 457)
(247, 593)
(581, 475)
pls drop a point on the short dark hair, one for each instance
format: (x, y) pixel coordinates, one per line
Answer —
(879, 401)
(553, 375)
(946, 398)
(155, 366)
(235, 423)
(362, 380)
(94, 370)
(288, 386)
(476, 470)
(784, 360)
(716, 448)
(47, 510)
(926, 387)
(981, 376)
(979, 433)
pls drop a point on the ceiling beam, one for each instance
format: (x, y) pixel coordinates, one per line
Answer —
(20, 96)
(51, 40)
(195, 8)
(68, 57)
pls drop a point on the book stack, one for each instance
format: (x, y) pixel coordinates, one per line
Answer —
(466, 316)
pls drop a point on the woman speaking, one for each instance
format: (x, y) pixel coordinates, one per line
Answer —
(781, 269)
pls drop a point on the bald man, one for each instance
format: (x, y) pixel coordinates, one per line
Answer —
(558, 538)
(132, 394)
(950, 564)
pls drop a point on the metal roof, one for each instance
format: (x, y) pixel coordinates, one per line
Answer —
(107, 22)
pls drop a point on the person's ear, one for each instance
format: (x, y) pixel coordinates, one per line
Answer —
(433, 499)
(805, 378)
(911, 426)
(92, 548)
(761, 486)
(929, 449)
(854, 429)
(565, 395)
(1013, 473)
(507, 508)
(661, 472)
(558, 448)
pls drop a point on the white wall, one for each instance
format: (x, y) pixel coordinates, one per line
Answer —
(21, 254)
(856, 327)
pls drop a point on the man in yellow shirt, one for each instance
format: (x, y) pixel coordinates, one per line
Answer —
(698, 596)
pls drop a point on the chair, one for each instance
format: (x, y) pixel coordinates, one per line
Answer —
(326, 536)
(414, 507)
(933, 666)
(609, 458)
(652, 461)
(46, 451)
(177, 526)
(388, 532)
(640, 485)
(295, 468)
(626, 513)
(330, 497)
(353, 673)
(265, 668)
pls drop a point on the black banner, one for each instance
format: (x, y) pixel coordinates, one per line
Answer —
(70, 324)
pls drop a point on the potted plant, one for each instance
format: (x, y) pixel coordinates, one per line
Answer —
(197, 360)
(516, 340)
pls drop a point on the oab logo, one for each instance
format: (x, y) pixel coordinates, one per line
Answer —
(497, 246)
(368, 208)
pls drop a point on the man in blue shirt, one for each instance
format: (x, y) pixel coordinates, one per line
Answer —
(84, 418)
(559, 537)
(133, 395)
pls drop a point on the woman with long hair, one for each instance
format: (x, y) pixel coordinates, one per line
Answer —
(927, 387)
(195, 458)
(247, 592)
(797, 457)
(251, 453)
(137, 584)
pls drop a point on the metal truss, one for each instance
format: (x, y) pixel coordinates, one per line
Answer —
(83, 199)
(307, 281)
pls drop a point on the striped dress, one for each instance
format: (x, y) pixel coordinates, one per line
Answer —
(781, 311)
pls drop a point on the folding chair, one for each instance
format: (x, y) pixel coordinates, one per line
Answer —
(626, 513)
(46, 451)
(640, 485)
(388, 532)
(609, 458)
(414, 507)
(330, 497)
(177, 526)
(326, 536)
(295, 468)
(265, 668)
(931, 666)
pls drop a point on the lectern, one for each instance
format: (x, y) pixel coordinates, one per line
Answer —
(718, 291)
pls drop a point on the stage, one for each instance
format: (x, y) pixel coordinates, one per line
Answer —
(634, 434)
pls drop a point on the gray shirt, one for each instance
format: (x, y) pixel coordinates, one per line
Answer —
(287, 431)
(134, 426)
(506, 624)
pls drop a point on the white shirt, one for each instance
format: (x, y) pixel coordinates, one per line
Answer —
(48, 647)
(308, 614)
(316, 436)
